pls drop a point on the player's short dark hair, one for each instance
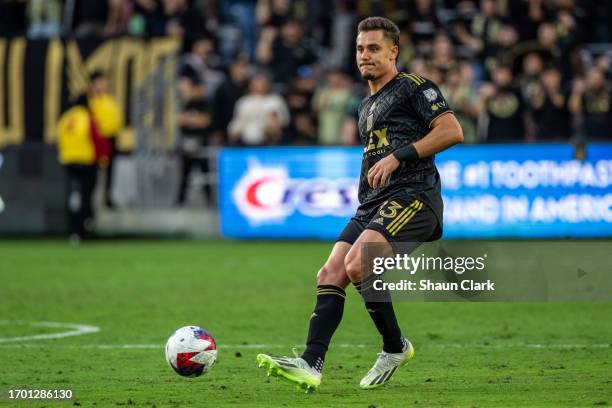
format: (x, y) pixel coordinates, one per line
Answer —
(388, 27)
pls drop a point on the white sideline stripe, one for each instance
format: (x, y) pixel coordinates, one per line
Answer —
(159, 346)
(74, 330)
(268, 346)
(524, 345)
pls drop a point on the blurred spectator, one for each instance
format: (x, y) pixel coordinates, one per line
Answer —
(350, 130)
(461, 95)
(547, 37)
(201, 62)
(238, 28)
(45, 18)
(195, 121)
(229, 92)
(549, 46)
(434, 74)
(406, 51)
(77, 155)
(184, 22)
(549, 108)
(109, 119)
(604, 63)
(273, 13)
(591, 100)
(340, 53)
(483, 32)
(547, 43)
(81, 147)
(422, 21)
(330, 104)
(120, 18)
(526, 16)
(529, 78)
(503, 107)
(92, 17)
(147, 18)
(420, 66)
(259, 116)
(300, 92)
(567, 40)
(301, 131)
(13, 17)
(443, 54)
(284, 55)
(502, 50)
(299, 96)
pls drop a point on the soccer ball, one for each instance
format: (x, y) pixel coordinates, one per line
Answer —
(191, 351)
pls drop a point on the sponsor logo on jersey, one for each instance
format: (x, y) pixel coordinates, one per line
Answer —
(377, 140)
(438, 105)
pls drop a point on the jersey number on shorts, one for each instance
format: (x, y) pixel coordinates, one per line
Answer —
(391, 210)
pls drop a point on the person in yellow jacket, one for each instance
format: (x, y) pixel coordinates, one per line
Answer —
(77, 153)
(86, 140)
(109, 118)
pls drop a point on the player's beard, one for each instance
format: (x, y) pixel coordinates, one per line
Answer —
(369, 76)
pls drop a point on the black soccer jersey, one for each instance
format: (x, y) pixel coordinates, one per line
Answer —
(399, 114)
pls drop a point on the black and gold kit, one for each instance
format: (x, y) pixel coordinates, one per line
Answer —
(409, 206)
(505, 110)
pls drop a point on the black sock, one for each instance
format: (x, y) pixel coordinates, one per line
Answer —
(323, 323)
(382, 314)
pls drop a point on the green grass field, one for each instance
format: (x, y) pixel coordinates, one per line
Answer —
(257, 297)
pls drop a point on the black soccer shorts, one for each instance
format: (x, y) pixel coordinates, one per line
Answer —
(399, 219)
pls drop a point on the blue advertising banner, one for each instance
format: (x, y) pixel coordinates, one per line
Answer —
(490, 191)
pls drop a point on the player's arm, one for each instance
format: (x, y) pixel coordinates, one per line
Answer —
(445, 132)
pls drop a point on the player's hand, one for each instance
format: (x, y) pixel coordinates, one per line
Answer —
(378, 176)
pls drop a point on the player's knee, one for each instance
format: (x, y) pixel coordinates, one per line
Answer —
(352, 265)
(330, 274)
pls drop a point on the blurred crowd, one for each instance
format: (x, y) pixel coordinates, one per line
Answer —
(269, 72)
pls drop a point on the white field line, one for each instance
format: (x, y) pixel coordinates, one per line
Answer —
(288, 346)
(73, 330)
(524, 345)
(80, 329)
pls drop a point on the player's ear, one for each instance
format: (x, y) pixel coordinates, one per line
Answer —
(394, 52)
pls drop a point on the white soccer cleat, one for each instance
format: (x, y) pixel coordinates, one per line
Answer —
(385, 366)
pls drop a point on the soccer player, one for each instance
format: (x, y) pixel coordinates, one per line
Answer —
(403, 123)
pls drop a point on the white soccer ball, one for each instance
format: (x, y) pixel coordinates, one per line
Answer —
(191, 351)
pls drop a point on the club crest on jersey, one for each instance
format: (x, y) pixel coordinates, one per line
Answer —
(370, 118)
(430, 94)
